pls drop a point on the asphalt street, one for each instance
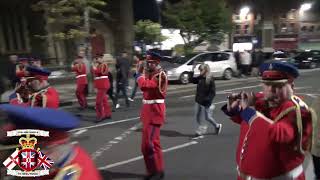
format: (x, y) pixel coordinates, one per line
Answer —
(115, 144)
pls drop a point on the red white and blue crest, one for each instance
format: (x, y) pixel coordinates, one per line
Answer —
(28, 159)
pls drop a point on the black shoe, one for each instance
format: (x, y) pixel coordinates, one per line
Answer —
(218, 129)
(197, 136)
(82, 108)
(102, 119)
(155, 176)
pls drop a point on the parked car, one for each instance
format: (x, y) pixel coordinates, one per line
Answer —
(181, 68)
(308, 59)
(222, 64)
(283, 57)
(280, 55)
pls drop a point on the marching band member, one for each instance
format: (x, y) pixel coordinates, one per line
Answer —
(43, 95)
(79, 67)
(152, 81)
(275, 127)
(70, 161)
(102, 84)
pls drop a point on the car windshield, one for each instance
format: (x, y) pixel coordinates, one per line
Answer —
(304, 55)
(279, 56)
(183, 59)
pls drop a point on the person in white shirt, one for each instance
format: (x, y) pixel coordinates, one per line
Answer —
(245, 61)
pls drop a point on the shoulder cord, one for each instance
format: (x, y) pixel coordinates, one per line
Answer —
(44, 98)
(79, 67)
(162, 89)
(104, 71)
(299, 122)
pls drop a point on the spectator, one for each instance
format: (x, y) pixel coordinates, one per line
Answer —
(237, 58)
(257, 60)
(11, 71)
(139, 61)
(206, 91)
(245, 61)
(123, 68)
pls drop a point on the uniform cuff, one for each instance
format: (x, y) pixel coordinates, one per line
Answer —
(137, 75)
(247, 114)
(233, 112)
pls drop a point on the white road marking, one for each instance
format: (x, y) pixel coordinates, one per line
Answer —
(105, 124)
(74, 142)
(80, 132)
(246, 87)
(141, 157)
(298, 88)
(107, 146)
(313, 95)
(183, 97)
(223, 91)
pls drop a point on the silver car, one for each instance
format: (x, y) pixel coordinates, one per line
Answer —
(222, 64)
(181, 68)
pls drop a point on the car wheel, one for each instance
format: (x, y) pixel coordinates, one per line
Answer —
(313, 65)
(227, 74)
(185, 78)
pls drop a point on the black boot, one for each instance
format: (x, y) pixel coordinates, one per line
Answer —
(157, 176)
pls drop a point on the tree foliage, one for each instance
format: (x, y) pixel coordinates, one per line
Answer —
(199, 20)
(66, 16)
(148, 32)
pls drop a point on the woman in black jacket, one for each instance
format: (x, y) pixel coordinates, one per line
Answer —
(206, 91)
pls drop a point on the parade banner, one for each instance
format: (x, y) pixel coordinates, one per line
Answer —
(34, 132)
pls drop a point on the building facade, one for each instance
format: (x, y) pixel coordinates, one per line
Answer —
(290, 31)
(19, 27)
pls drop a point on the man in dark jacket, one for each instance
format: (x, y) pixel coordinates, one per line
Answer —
(206, 91)
(123, 68)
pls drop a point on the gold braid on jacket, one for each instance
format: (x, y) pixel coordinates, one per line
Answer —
(105, 70)
(162, 79)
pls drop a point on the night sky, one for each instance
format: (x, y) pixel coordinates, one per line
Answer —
(145, 9)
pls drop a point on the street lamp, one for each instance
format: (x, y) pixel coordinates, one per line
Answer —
(305, 7)
(159, 10)
(159, 15)
(244, 11)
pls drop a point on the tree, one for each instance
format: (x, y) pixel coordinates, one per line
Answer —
(148, 32)
(199, 20)
(67, 16)
(68, 20)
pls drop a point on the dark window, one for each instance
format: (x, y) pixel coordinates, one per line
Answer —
(311, 29)
(219, 57)
(304, 28)
(13, 31)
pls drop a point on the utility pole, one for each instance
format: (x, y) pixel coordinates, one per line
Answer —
(86, 15)
(160, 19)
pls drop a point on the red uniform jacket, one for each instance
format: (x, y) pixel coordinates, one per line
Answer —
(80, 70)
(101, 80)
(47, 98)
(153, 113)
(80, 167)
(269, 142)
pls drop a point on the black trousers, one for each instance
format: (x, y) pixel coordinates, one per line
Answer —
(316, 164)
(122, 88)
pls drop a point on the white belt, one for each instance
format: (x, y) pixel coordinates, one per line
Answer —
(153, 101)
(101, 77)
(82, 75)
(294, 173)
